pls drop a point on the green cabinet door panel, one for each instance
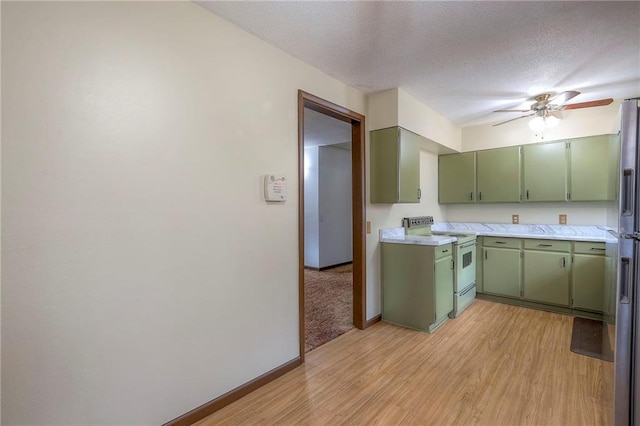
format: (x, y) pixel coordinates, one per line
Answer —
(588, 282)
(444, 287)
(417, 290)
(501, 271)
(544, 169)
(457, 178)
(498, 178)
(546, 277)
(590, 169)
(409, 185)
(394, 166)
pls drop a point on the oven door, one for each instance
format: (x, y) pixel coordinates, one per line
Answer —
(465, 266)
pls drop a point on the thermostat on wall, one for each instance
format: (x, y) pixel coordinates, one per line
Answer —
(275, 188)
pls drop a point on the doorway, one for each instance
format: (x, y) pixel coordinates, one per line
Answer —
(327, 109)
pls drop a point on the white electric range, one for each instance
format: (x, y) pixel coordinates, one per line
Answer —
(464, 257)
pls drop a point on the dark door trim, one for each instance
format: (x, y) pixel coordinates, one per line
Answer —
(358, 203)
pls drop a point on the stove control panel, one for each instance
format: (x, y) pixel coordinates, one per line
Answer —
(410, 222)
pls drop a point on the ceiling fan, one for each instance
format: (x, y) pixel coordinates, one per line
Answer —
(546, 106)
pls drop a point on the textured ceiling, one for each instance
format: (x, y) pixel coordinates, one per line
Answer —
(463, 59)
(320, 129)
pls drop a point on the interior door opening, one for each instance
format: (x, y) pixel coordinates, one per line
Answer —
(331, 220)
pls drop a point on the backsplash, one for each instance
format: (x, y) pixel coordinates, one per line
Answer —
(524, 231)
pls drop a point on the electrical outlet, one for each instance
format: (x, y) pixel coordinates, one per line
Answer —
(515, 219)
(368, 227)
(563, 219)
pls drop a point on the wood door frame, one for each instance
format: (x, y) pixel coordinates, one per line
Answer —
(357, 122)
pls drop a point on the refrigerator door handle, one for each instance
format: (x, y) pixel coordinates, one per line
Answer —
(627, 192)
(625, 277)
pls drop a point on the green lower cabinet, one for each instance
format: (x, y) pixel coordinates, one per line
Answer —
(444, 287)
(501, 271)
(588, 283)
(546, 277)
(417, 285)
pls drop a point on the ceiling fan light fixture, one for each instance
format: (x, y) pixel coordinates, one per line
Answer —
(551, 121)
(537, 124)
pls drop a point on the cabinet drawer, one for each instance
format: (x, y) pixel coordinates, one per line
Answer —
(443, 251)
(588, 247)
(547, 245)
(514, 243)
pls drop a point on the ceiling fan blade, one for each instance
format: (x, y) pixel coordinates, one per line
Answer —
(555, 113)
(512, 110)
(563, 97)
(600, 102)
(513, 119)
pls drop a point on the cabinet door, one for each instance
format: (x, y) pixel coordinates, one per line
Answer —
(544, 172)
(590, 169)
(546, 277)
(457, 178)
(444, 287)
(384, 165)
(587, 282)
(499, 175)
(409, 158)
(395, 166)
(501, 271)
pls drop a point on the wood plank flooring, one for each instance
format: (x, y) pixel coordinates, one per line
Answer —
(495, 365)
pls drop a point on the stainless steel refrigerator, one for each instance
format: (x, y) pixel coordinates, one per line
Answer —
(624, 252)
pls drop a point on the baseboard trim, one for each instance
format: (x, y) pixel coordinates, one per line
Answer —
(372, 321)
(233, 395)
(324, 268)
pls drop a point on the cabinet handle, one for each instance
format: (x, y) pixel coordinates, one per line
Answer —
(545, 245)
(445, 251)
(485, 255)
(419, 193)
(527, 194)
(597, 248)
(500, 242)
(564, 262)
(452, 264)
(471, 196)
(480, 196)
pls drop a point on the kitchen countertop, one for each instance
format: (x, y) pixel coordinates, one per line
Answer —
(397, 236)
(545, 232)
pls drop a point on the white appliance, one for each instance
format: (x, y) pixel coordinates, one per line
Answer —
(464, 258)
(464, 272)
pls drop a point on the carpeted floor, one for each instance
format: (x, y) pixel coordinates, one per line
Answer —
(328, 304)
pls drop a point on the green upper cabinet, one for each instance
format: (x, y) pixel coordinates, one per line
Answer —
(395, 166)
(457, 178)
(499, 175)
(593, 168)
(544, 172)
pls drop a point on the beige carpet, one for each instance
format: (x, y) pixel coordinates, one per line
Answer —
(328, 304)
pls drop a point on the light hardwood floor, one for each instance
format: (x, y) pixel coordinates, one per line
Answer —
(495, 365)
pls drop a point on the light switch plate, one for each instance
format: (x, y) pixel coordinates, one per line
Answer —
(368, 227)
(515, 219)
(562, 219)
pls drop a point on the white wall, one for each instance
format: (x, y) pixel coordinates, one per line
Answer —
(143, 274)
(311, 212)
(335, 212)
(327, 201)
(576, 123)
(395, 107)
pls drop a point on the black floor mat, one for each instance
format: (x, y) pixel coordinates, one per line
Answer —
(590, 338)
